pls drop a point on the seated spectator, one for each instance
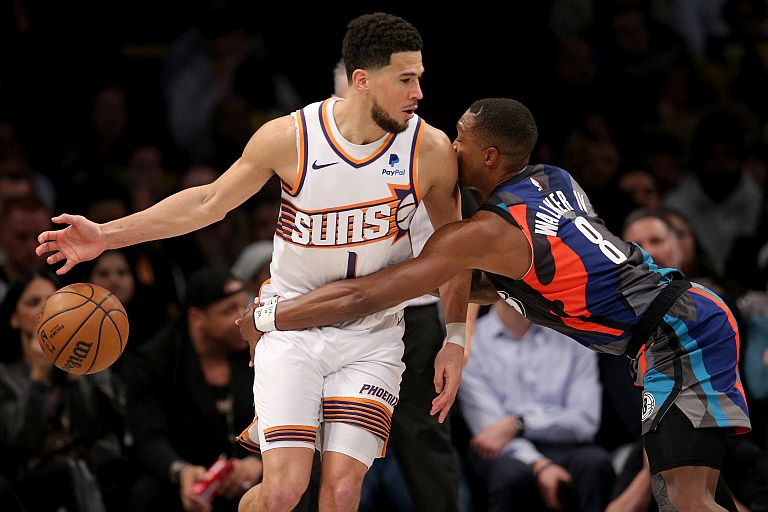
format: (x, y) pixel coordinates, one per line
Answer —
(531, 399)
(60, 433)
(189, 394)
(145, 308)
(745, 467)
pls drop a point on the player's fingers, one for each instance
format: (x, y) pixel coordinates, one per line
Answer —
(439, 375)
(44, 239)
(64, 218)
(66, 267)
(445, 410)
(54, 258)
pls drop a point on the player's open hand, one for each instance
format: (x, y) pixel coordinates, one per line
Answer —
(82, 240)
(248, 328)
(448, 365)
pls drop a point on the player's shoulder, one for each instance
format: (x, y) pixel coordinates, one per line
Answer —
(276, 135)
(434, 140)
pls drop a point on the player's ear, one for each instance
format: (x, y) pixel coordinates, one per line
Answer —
(491, 155)
(360, 80)
(15, 321)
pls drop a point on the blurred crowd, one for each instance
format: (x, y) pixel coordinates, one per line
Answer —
(658, 108)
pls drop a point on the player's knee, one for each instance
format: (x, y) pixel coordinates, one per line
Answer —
(344, 491)
(283, 497)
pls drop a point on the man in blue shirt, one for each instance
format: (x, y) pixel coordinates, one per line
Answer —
(531, 398)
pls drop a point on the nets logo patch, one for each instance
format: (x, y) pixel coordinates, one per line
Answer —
(649, 405)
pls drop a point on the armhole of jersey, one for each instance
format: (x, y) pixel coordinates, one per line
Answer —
(419, 132)
(503, 212)
(301, 150)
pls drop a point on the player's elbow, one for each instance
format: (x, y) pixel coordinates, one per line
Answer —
(209, 204)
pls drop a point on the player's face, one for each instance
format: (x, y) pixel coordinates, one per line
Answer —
(396, 91)
(469, 151)
(656, 238)
(113, 273)
(30, 304)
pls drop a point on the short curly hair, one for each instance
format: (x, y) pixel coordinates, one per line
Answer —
(371, 39)
(505, 124)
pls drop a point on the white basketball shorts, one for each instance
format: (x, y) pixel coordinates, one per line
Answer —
(327, 388)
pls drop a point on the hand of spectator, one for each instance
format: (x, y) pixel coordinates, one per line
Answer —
(82, 240)
(549, 477)
(448, 366)
(248, 328)
(190, 501)
(245, 474)
(490, 441)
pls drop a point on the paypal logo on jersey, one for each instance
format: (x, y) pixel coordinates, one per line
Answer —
(393, 160)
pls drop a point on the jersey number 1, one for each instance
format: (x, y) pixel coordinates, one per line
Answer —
(351, 265)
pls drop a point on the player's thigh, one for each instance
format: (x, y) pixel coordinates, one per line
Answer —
(287, 391)
(358, 403)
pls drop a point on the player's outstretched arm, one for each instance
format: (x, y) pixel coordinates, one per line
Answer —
(271, 149)
(438, 174)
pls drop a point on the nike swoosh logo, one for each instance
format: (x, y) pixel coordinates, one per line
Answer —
(317, 166)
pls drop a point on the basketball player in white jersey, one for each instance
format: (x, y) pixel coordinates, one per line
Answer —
(353, 172)
(418, 440)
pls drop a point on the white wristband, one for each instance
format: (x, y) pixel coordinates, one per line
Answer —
(264, 317)
(456, 332)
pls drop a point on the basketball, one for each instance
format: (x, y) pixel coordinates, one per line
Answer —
(405, 211)
(82, 329)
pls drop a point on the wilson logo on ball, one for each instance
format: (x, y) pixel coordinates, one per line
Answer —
(78, 355)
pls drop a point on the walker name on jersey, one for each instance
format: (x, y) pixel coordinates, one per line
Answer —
(370, 389)
(351, 225)
(551, 209)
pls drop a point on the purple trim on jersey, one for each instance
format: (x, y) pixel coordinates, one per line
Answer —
(416, 133)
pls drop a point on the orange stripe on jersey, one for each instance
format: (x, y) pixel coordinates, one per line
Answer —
(302, 156)
(567, 288)
(643, 362)
(265, 283)
(731, 319)
(307, 428)
(415, 174)
(378, 405)
(340, 150)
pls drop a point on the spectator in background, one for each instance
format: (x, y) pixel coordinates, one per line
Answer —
(219, 59)
(531, 398)
(189, 392)
(21, 219)
(59, 432)
(100, 150)
(144, 306)
(694, 262)
(252, 266)
(745, 467)
(16, 166)
(722, 201)
(640, 188)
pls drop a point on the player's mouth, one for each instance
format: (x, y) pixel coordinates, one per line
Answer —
(410, 110)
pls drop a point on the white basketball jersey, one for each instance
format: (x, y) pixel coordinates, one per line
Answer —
(349, 212)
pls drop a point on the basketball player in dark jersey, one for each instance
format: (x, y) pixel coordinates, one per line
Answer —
(541, 246)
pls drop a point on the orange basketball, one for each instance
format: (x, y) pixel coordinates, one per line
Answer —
(83, 328)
